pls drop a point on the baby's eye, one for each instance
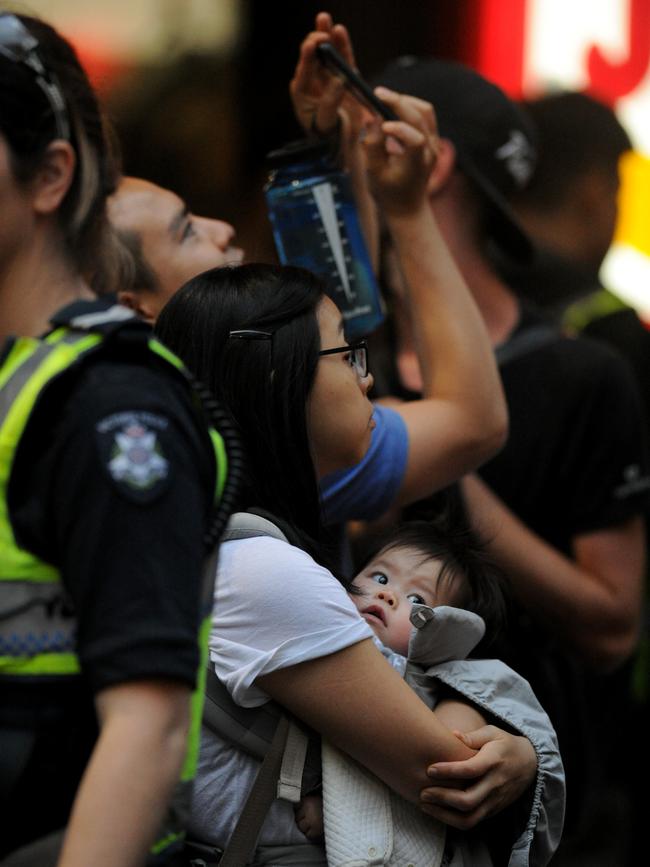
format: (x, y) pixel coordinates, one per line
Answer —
(416, 598)
(379, 577)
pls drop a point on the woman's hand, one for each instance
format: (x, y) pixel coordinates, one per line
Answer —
(316, 94)
(494, 778)
(401, 154)
(324, 108)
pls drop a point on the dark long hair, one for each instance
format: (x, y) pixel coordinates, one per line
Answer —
(28, 124)
(264, 381)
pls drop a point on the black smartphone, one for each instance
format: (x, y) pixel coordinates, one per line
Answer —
(330, 57)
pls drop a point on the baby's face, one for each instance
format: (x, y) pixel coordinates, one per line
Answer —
(391, 583)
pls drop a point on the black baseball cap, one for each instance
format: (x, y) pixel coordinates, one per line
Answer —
(493, 137)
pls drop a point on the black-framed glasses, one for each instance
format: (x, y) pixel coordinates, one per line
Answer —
(358, 356)
(20, 46)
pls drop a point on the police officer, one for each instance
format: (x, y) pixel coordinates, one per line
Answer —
(108, 482)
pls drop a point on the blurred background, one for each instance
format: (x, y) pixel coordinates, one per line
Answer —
(198, 88)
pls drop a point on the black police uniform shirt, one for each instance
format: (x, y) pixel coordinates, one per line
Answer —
(130, 549)
(113, 483)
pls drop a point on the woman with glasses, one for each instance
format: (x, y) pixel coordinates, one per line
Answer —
(107, 480)
(270, 344)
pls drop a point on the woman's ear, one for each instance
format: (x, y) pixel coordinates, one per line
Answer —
(54, 177)
(443, 168)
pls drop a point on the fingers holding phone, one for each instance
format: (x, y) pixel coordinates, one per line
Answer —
(359, 89)
(401, 153)
(410, 111)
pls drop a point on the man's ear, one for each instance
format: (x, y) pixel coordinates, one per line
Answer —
(443, 168)
(54, 177)
(140, 304)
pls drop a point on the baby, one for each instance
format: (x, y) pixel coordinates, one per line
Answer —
(420, 563)
(427, 564)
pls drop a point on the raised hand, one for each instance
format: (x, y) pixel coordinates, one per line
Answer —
(316, 94)
(401, 154)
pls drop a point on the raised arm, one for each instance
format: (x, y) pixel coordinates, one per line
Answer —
(592, 602)
(461, 419)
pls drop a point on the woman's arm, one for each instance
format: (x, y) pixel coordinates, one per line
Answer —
(461, 419)
(130, 776)
(362, 705)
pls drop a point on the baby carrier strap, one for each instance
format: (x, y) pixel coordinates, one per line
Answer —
(252, 729)
(248, 525)
(289, 766)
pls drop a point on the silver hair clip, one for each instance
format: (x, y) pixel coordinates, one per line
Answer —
(250, 334)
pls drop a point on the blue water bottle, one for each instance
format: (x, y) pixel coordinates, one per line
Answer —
(316, 226)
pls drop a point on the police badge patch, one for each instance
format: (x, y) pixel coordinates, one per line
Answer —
(133, 455)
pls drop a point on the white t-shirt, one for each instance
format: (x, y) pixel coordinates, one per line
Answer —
(273, 607)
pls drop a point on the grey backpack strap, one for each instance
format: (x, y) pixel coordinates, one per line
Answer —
(524, 342)
(250, 728)
(246, 525)
(264, 732)
(243, 841)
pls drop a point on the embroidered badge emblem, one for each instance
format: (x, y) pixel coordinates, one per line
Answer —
(518, 157)
(136, 458)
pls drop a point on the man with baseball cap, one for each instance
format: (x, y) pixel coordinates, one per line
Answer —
(562, 503)
(492, 139)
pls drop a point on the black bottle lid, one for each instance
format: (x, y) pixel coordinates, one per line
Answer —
(299, 151)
